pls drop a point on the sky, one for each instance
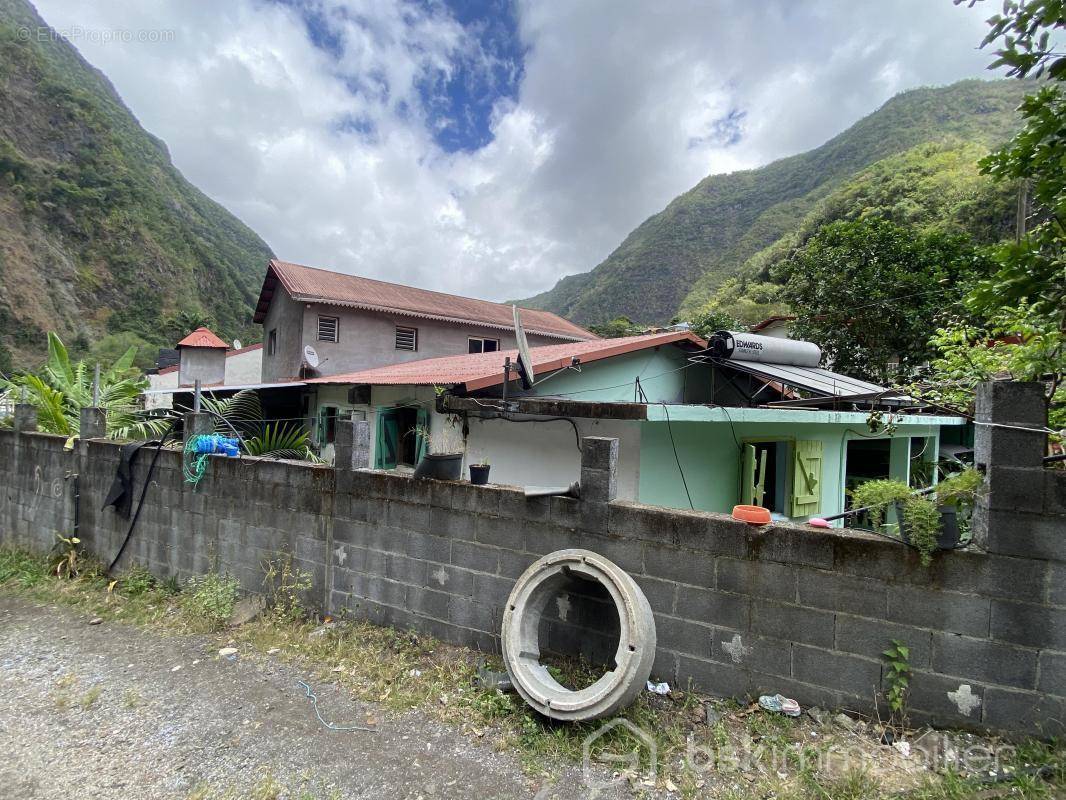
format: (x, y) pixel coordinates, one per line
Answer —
(489, 147)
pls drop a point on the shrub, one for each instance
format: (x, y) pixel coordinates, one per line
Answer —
(210, 599)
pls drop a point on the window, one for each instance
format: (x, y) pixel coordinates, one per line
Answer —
(406, 338)
(783, 476)
(398, 441)
(272, 342)
(482, 345)
(327, 329)
(327, 425)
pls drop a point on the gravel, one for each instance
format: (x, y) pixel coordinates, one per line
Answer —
(115, 711)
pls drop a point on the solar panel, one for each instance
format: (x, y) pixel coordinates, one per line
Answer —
(812, 379)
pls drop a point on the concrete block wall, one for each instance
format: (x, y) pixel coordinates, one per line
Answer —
(739, 610)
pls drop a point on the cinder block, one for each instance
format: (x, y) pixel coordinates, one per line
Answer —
(475, 499)
(832, 591)
(450, 579)
(430, 603)
(354, 533)
(849, 673)
(386, 539)
(516, 505)
(948, 611)
(714, 608)
(756, 579)
(660, 594)
(1009, 447)
(792, 623)
(1028, 712)
(475, 557)
(683, 636)
(429, 547)
(792, 545)
(684, 566)
(1026, 535)
(387, 592)
(1012, 402)
(664, 668)
(1052, 678)
(452, 524)
(1057, 584)
(1014, 488)
(598, 485)
(513, 564)
(468, 613)
(867, 556)
(406, 570)
(713, 677)
(757, 653)
(695, 530)
(599, 452)
(308, 549)
(375, 562)
(990, 575)
(499, 531)
(408, 516)
(947, 701)
(1029, 624)
(1055, 492)
(492, 589)
(868, 637)
(983, 660)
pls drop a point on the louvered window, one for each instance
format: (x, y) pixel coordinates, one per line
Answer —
(327, 329)
(406, 338)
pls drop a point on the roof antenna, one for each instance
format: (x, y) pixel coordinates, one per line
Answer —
(524, 367)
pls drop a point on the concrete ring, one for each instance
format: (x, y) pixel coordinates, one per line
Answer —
(521, 637)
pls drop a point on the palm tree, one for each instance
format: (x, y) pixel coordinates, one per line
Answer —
(243, 413)
(61, 389)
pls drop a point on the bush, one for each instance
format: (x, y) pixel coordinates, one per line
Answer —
(210, 599)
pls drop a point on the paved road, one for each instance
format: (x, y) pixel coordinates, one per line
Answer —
(160, 732)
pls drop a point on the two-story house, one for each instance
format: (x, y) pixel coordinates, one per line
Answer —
(355, 323)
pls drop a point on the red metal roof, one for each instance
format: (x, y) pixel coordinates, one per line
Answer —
(202, 337)
(479, 370)
(312, 285)
(766, 323)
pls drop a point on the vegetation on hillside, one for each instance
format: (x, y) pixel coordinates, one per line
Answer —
(679, 258)
(99, 233)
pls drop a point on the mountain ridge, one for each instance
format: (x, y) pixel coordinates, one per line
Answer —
(676, 259)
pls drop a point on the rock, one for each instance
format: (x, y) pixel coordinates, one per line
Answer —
(226, 652)
(819, 715)
(846, 722)
(711, 714)
(246, 610)
(96, 620)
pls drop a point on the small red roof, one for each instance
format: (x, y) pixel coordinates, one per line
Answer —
(313, 285)
(202, 337)
(479, 370)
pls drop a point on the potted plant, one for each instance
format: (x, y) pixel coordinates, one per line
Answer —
(443, 459)
(933, 520)
(479, 472)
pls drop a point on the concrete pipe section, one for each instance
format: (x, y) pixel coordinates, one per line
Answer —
(537, 587)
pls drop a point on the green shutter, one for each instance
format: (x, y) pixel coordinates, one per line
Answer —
(387, 441)
(423, 441)
(747, 476)
(806, 478)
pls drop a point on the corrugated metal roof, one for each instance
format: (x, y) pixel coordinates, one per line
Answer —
(202, 337)
(313, 285)
(479, 370)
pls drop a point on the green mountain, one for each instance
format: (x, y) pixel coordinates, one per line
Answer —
(679, 259)
(99, 232)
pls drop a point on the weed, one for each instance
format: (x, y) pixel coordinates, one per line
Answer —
(138, 581)
(25, 568)
(208, 600)
(131, 698)
(286, 586)
(65, 557)
(898, 677)
(88, 700)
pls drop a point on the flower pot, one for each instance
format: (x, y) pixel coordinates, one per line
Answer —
(479, 474)
(949, 538)
(440, 466)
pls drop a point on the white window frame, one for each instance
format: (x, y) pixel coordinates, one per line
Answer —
(482, 339)
(404, 329)
(336, 328)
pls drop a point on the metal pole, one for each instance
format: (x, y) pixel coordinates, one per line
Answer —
(96, 386)
(506, 376)
(196, 396)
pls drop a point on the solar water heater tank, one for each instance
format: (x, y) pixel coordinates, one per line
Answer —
(765, 349)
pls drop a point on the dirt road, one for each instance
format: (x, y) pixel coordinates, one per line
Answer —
(116, 711)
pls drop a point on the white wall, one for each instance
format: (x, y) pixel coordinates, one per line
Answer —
(245, 367)
(168, 380)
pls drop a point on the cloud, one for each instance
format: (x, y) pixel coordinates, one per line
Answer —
(490, 154)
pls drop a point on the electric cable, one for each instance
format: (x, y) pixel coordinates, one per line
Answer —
(670, 430)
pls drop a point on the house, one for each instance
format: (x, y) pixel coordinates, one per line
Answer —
(347, 323)
(697, 427)
(779, 327)
(238, 367)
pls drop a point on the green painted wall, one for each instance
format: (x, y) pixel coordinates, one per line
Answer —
(661, 371)
(709, 453)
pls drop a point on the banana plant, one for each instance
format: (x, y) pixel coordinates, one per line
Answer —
(61, 388)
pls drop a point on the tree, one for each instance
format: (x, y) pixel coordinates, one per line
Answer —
(617, 327)
(113, 346)
(869, 293)
(60, 389)
(1032, 269)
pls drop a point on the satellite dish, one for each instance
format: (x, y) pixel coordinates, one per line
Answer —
(310, 356)
(525, 360)
(237, 344)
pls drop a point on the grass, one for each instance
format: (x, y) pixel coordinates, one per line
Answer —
(88, 700)
(402, 670)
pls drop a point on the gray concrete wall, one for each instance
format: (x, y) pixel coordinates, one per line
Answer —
(739, 610)
(366, 338)
(204, 364)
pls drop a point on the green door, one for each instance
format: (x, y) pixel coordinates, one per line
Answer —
(806, 478)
